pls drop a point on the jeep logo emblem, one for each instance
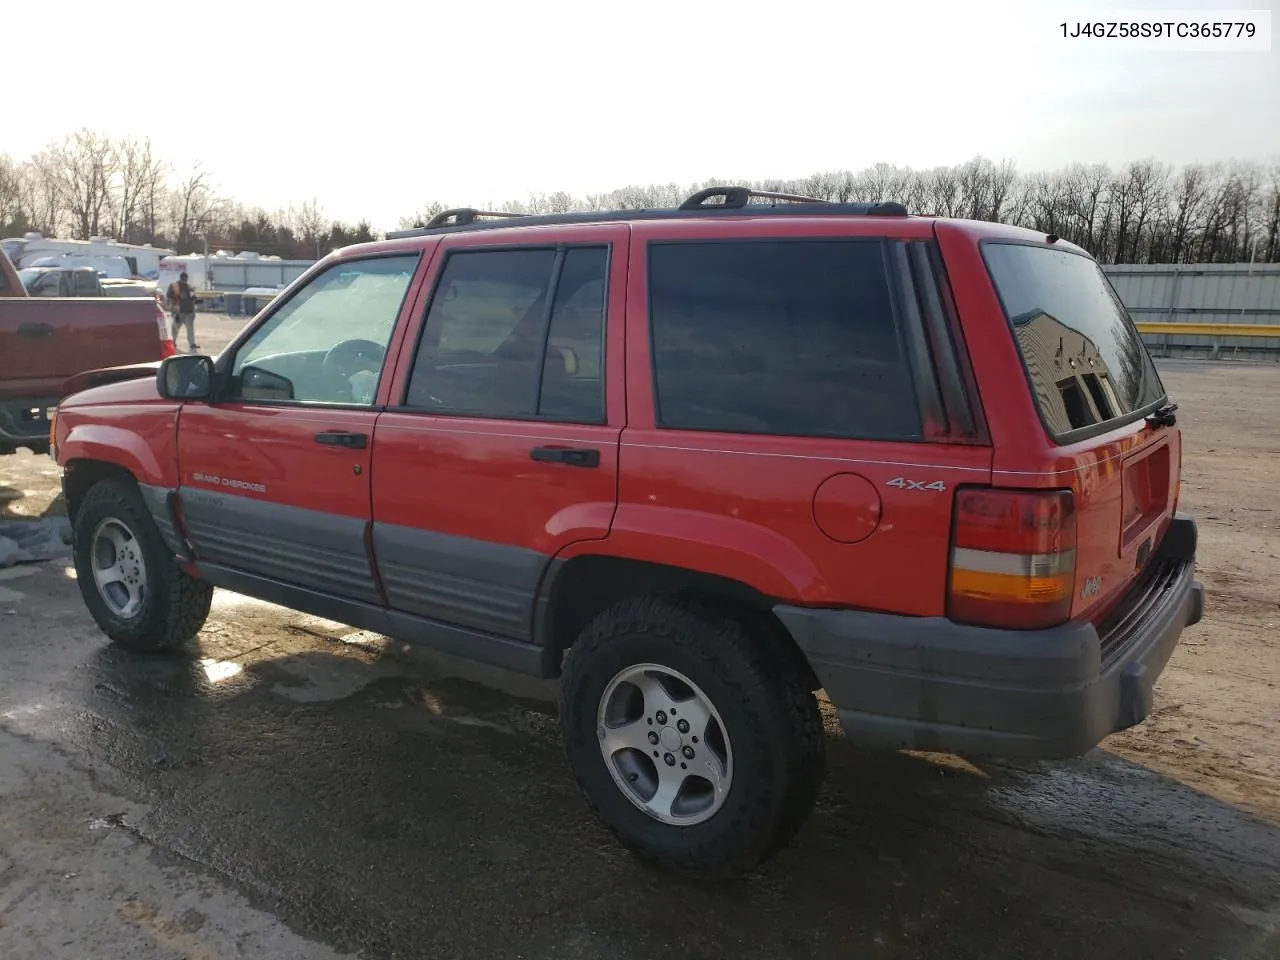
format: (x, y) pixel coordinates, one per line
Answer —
(1091, 587)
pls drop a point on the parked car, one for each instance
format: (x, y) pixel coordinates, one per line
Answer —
(699, 464)
(44, 341)
(61, 282)
(10, 282)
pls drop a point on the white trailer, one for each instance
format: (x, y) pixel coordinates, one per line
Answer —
(143, 259)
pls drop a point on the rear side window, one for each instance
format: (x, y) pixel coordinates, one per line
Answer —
(1085, 360)
(516, 334)
(793, 338)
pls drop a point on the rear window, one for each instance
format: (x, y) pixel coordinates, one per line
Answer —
(1084, 357)
(793, 338)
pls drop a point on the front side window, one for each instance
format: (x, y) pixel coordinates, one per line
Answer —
(328, 343)
(793, 338)
(515, 334)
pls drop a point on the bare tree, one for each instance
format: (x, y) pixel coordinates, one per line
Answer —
(191, 208)
(139, 179)
(83, 167)
(309, 224)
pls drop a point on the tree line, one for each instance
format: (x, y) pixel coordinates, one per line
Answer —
(89, 184)
(1143, 212)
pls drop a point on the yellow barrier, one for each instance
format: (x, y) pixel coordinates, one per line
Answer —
(1213, 329)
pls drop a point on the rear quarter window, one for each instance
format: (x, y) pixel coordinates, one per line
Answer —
(1085, 360)
(793, 338)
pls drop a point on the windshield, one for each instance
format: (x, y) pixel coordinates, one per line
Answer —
(1084, 357)
(29, 276)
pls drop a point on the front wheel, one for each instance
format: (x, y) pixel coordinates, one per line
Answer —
(129, 579)
(691, 733)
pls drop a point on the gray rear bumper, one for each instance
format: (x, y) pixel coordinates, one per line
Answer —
(931, 684)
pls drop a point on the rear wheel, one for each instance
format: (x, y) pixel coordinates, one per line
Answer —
(692, 735)
(130, 580)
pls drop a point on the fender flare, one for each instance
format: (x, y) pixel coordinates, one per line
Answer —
(715, 544)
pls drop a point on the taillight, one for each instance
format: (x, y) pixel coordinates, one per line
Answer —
(167, 348)
(1013, 558)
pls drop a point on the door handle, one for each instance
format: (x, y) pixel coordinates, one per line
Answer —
(573, 456)
(35, 331)
(338, 438)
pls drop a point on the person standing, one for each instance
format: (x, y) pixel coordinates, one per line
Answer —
(182, 301)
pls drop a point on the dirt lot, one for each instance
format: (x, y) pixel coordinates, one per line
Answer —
(293, 789)
(1217, 722)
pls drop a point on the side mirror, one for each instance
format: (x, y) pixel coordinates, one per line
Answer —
(185, 377)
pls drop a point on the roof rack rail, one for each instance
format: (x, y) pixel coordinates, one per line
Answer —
(467, 218)
(464, 216)
(735, 198)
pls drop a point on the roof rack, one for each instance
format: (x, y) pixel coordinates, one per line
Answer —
(735, 202)
(735, 198)
(465, 216)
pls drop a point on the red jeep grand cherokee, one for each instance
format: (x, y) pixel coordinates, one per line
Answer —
(701, 463)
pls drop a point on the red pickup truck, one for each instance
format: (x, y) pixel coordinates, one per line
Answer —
(697, 463)
(45, 341)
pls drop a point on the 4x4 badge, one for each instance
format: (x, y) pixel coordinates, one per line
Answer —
(1091, 587)
(905, 484)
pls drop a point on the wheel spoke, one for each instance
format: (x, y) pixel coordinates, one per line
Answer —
(655, 695)
(103, 576)
(134, 591)
(117, 539)
(712, 769)
(633, 736)
(670, 780)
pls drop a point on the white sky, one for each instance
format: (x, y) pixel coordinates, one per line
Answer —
(377, 107)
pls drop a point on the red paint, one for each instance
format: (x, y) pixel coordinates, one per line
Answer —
(79, 334)
(804, 520)
(847, 508)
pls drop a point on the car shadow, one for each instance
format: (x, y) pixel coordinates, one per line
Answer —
(8, 497)
(384, 809)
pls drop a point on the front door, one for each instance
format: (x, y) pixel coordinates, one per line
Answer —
(503, 448)
(275, 473)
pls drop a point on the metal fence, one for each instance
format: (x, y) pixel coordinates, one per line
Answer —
(1207, 310)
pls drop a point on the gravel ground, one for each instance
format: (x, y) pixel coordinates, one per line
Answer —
(289, 788)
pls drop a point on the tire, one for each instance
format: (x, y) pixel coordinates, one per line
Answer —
(163, 607)
(772, 735)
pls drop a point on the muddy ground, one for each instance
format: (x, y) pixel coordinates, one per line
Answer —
(290, 788)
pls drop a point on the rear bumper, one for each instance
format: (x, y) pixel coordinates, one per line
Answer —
(931, 684)
(20, 427)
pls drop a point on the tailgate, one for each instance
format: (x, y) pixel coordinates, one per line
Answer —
(43, 341)
(1093, 385)
(1125, 497)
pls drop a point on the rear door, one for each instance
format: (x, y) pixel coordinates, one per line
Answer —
(1092, 383)
(274, 476)
(502, 448)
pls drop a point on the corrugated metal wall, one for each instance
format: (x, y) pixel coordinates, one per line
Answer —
(1202, 293)
(233, 274)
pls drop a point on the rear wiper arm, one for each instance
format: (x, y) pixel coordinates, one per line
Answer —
(1164, 416)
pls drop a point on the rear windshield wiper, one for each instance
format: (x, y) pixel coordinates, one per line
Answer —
(1163, 416)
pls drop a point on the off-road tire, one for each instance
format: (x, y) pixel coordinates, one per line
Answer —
(175, 605)
(769, 713)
